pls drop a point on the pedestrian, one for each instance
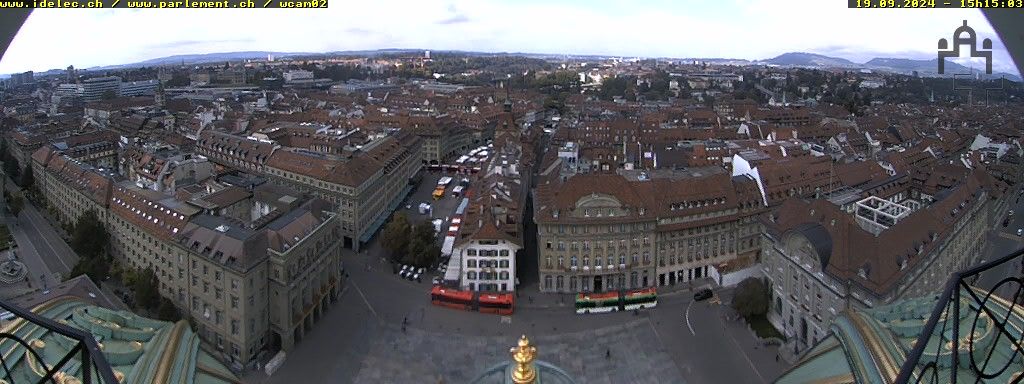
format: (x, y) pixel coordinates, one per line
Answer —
(776, 357)
(608, 354)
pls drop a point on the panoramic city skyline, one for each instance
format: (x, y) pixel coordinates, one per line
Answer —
(741, 29)
(178, 207)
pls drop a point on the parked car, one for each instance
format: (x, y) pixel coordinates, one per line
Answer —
(703, 294)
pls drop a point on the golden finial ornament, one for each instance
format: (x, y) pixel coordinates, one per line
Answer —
(524, 372)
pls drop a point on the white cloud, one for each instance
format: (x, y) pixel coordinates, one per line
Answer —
(751, 29)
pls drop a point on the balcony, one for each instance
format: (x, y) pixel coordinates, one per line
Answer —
(76, 348)
(977, 313)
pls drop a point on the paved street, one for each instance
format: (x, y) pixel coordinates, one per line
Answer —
(40, 247)
(39, 274)
(46, 255)
(56, 253)
(360, 339)
(1000, 242)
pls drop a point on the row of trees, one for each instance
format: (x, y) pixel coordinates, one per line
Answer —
(411, 244)
(147, 295)
(89, 240)
(11, 167)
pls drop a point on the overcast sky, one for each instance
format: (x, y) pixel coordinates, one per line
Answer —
(747, 29)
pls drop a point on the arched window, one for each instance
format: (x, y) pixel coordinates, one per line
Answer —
(559, 282)
(547, 282)
(572, 261)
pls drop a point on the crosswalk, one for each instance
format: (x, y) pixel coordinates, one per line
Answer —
(1011, 236)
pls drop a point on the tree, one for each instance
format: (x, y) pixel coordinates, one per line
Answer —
(11, 168)
(167, 311)
(15, 203)
(751, 297)
(109, 94)
(96, 267)
(89, 237)
(396, 236)
(423, 250)
(28, 180)
(147, 294)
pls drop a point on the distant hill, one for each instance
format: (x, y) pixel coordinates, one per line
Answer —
(929, 68)
(804, 59)
(204, 58)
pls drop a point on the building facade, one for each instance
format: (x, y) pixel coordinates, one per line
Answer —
(822, 260)
(602, 232)
(96, 88)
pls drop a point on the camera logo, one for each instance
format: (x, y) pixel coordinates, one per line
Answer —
(970, 40)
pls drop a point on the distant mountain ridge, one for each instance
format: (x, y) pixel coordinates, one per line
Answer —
(810, 60)
(927, 68)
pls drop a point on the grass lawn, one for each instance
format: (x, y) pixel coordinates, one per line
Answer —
(763, 328)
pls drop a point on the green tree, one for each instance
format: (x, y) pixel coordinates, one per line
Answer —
(146, 290)
(96, 267)
(28, 180)
(617, 86)
(423, 250)
(109, 94)
(167, 311)
(396, 236)
(178, 79)
(15, 203)
(89, 237)
(751, 297)
(129, 276)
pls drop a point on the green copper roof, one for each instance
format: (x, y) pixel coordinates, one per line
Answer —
(143, 350)
(870, 346)
(826, 360)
